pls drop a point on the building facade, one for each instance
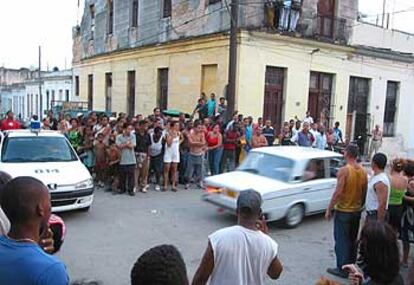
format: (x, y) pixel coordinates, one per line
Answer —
(131, 56)
(56, 88)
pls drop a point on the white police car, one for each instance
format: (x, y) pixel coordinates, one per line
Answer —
(49, 157)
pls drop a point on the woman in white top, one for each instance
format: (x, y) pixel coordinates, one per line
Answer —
(378, 192)
(172, 155)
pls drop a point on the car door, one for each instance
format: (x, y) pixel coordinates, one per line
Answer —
(317, 185)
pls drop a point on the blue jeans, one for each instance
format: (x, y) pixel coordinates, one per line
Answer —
(346, 227)
(214, 159)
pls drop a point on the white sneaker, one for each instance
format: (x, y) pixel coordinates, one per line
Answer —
(145, 189)
(157, 188)
(135, 190)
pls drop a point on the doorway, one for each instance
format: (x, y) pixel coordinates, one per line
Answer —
(320, 96)
(273, 96)
(358, 116)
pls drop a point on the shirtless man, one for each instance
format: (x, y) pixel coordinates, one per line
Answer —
(259, 140)
(197, 145)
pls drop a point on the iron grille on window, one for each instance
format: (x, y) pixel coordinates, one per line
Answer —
(166, 9)
(134, 13)
(390, 108)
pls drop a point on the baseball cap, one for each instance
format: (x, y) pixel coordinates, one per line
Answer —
(250, 199)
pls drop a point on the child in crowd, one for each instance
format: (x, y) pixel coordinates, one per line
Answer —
(156, 156)
(86, 150)
(101, 162)
(114, 157)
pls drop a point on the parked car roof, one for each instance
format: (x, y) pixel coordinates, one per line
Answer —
(297, 153)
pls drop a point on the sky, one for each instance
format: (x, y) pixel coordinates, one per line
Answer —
(26, 24)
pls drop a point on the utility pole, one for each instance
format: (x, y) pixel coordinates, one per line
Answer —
(231, 86)
(40, 85)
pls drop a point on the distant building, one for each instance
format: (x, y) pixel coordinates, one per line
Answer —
(12, 89)
(56, 87)
(133, 55)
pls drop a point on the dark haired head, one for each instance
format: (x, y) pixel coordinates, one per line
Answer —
(142, 123)
(398, 165)
(157, 130)
(352, 151)
(125, 125)
(160, 265)
(20, 199)
(379, 252)
(380, 160)
(197, 123)
(4, 179)
(73, 120)
(409, 168)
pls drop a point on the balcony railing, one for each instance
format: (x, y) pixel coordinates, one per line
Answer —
(330, 28)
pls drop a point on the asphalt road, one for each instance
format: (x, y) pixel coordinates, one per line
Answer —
(104, 243)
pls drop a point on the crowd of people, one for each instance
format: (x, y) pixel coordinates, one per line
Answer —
(240, 254)
(128, 154)
(386, 200)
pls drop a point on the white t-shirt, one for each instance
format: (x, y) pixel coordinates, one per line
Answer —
(308, 120)
(371, 203)
(241, 256)
(4, 223)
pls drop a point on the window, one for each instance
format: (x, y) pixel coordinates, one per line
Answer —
(131, 93)
(67, 95)
(36, 112)
(92, 14)
(271, 166)
(47, 100)
(90, 91)
(37, 149)
(334, 165)
(134, 13)
(28, 105)
(390, 108)
(314, 170)
(60, 94)
(213, 1)
(53, 96)
(77, 85)
(166, 8)
(108, 92)
(110, 16)
(162, 98)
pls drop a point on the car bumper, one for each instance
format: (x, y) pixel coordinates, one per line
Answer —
(221, 201)
(71, 200)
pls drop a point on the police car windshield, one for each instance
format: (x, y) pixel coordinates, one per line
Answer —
(267, 165)
(37, 149)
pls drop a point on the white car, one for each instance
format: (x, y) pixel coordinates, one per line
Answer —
(293, 181)
(49, 157)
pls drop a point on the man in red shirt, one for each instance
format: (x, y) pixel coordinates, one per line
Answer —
(10, 123)
(231, 137)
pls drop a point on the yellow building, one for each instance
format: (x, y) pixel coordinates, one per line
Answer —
(334, 75)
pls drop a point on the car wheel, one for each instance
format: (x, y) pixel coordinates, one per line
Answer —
(294, 216)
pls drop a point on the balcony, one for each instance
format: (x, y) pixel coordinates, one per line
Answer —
(295, 22)
(330, 28)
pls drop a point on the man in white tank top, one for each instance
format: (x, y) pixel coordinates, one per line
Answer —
(242, 254)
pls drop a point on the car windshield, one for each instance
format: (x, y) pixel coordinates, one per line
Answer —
(37, 149)
(271, 166)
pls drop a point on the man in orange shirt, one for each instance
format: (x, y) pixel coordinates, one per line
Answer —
(348, 201)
